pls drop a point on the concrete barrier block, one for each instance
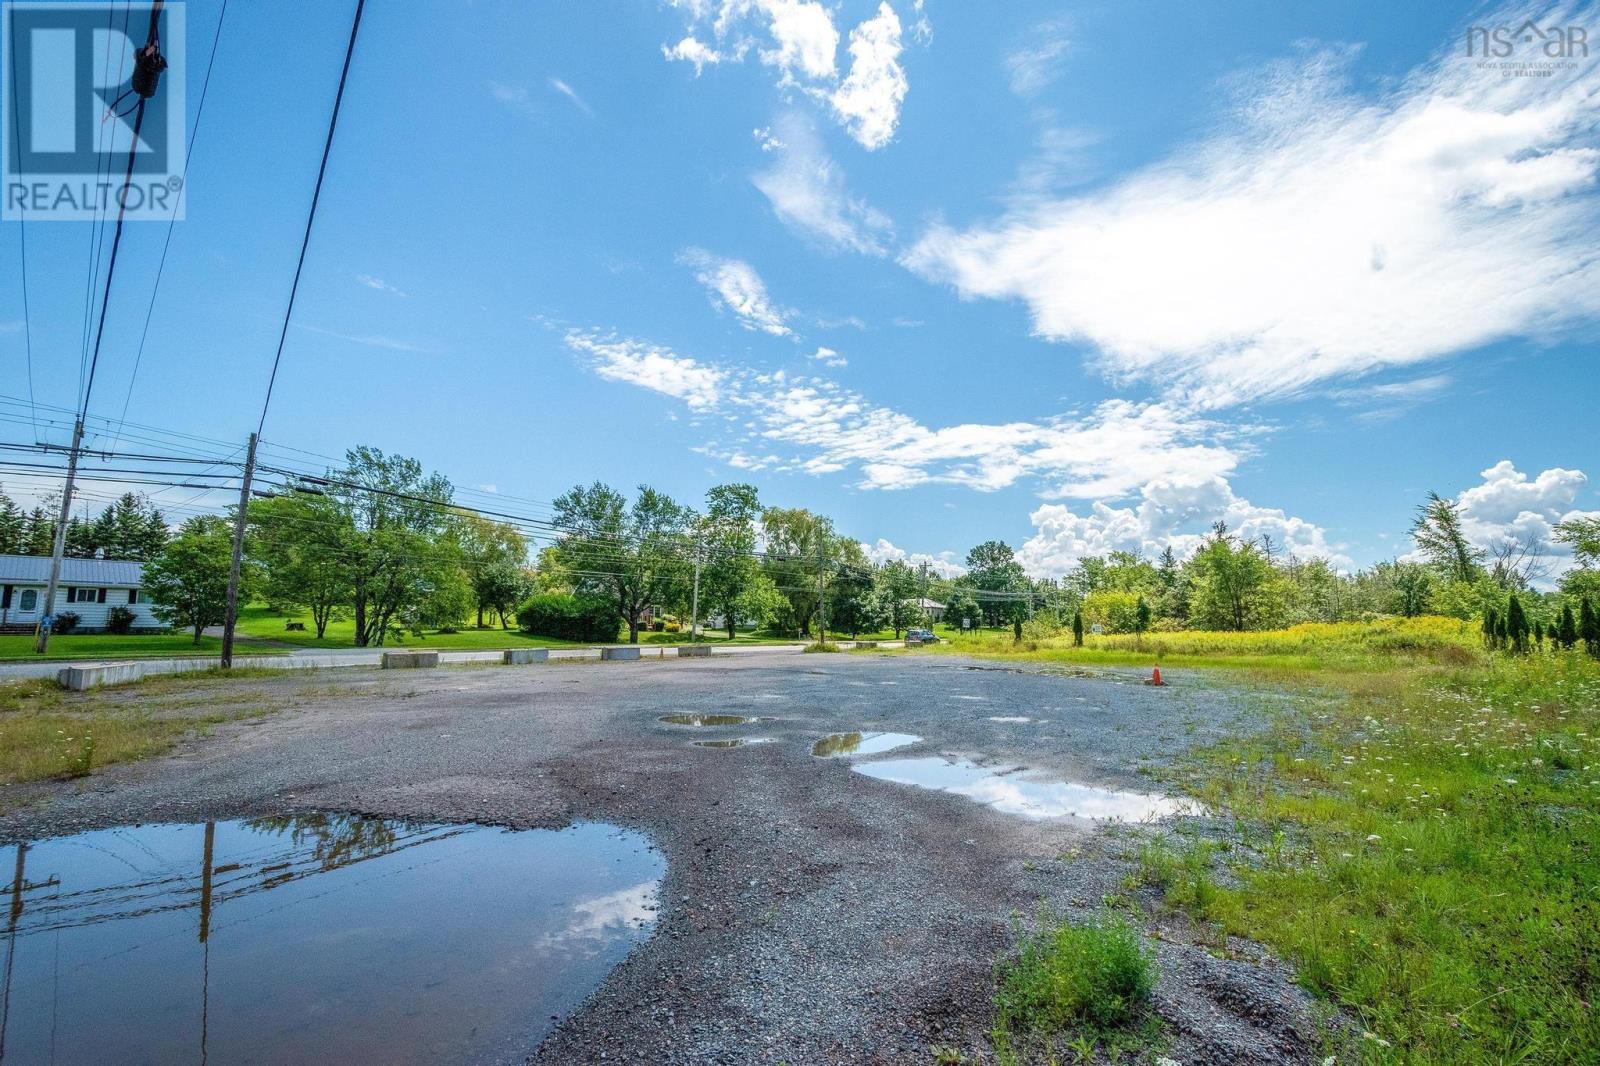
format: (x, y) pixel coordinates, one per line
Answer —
(627, 654)
(523, 656)
(93, 675)
(913, 643)
(409, 660)
(695, 651)
(865, 644)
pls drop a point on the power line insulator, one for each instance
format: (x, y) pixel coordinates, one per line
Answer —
(148, 63)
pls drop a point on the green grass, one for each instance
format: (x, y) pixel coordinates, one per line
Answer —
(112, 646)
(1418, 829)
(46, 732)
(1093, 980)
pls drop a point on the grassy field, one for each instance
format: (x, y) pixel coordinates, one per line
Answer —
(1417, 829)
(46, 732)
(110, 646)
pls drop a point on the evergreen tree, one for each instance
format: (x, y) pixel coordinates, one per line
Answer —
(1567, 634)
(1538, 635)
(41, 534)
(1517, 626)
(13, 526)
(1141, 619)
(1589, 627)
(1491, 627)
(1077, 628)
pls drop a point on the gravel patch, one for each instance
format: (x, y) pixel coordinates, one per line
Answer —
(810, 914)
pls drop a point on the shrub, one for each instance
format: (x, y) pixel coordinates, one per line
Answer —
(568, 617)
(120, 620)
(66, 622)
(1097, 976)
(819, 646)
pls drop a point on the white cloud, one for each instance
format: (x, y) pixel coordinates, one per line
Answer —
(868, 101)
(650, 366)
(571, 94)
(798, 39)
(765, 138)
(1171, 510)
(378, 285)
(516, 98)
(735, 285)
(807, 193)
(1034, 65)
(829, 357)
(1317, 234)
(691, 50)
(816, 426)
(489, 487)
(1508, 509)
(944, 564)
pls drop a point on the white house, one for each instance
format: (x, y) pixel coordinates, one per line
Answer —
(89, 588)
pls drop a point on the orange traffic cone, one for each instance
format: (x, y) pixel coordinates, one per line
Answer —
(1155, 677)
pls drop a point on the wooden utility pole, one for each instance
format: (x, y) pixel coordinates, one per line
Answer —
(694, 599)
(230, 620)
(47, 621)
(822, 596)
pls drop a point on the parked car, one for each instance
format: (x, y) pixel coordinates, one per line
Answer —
(925, 635)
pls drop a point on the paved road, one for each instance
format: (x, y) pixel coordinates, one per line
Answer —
(810, 913)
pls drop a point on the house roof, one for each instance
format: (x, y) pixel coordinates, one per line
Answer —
(930, 605)
(35, 570)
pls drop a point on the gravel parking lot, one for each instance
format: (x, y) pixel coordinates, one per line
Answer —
(810, 913)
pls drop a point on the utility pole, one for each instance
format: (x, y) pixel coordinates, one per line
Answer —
(822, 597)
(47, 622)
(232, 617)
(927, 612)
(694, 599)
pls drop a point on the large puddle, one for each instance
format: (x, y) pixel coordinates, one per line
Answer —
(313, 939)
(860, 743)
(704, 719)
(1015, 792)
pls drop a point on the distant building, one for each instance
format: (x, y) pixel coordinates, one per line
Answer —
(89, 588)
(932, 608)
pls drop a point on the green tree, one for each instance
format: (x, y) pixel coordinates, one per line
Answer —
(303, 543)
(401, 521)
(1077, 629)
(13, 526)
(188, 581)
(1412, 585)
(1589, 627)
(41, 533)
(636, 555)
(1438, 535)
(899, 587)
(992, 567)
(1141, 618)
(1517, 625)
(1235, 588)
(1567, 628)
(799, 543)
(1491, 628)
(493, 555)
(726, 542)
(962, 606)
(1583, 534)
(855, 605)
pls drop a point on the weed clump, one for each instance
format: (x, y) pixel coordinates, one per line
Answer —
(820, 646)
(1096, 977)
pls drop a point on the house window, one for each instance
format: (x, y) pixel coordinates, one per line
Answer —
(133, 595)
(85, 595)
(29, 600)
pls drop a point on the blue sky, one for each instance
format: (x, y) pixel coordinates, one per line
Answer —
(947, 272)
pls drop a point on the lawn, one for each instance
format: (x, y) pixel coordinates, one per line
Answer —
(111, 646)
(1415, 828)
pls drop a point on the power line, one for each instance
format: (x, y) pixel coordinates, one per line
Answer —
(166, 245)
(311, 215)
(22, 237)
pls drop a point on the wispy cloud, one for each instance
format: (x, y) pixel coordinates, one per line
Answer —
(1034, 65)
(807, 192)
(829, 357)
(371, 340)
(379, 285)
(571, 94)
(516, 98)
(734, 284)
(812, 424)
(1318, 234)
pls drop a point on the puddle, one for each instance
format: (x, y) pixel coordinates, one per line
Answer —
(732, 742)
(704, 719)
(1009, 718)
(313, 939)
(1014, 792)
(861, 743)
